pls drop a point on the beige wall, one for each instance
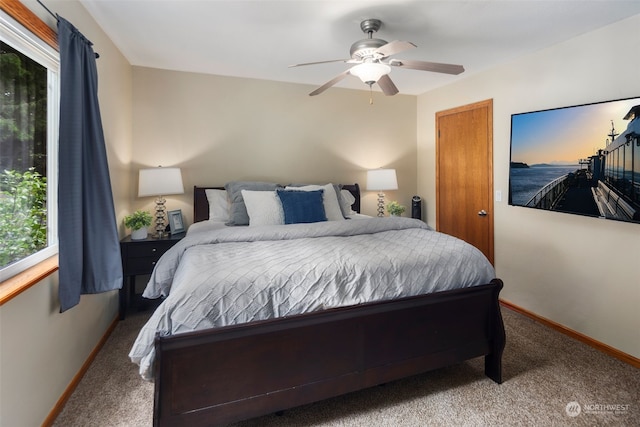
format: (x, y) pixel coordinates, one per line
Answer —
(219, 129)
(580, 272)
(42, 350)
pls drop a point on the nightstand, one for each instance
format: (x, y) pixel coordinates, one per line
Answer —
(140, 257)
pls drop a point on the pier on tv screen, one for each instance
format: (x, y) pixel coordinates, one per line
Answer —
(582, 159)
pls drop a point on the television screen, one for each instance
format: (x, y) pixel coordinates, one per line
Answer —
(583, 159)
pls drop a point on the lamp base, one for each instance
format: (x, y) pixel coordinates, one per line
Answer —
(160, 223)
(159, 235)
(380, 205)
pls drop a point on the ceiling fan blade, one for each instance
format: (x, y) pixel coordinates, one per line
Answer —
(330, 83)
(387, 85)
(427, 66)
(394, 47)
(319, 62)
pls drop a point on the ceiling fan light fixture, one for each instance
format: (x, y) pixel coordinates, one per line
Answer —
(370, 72)
(374, 65)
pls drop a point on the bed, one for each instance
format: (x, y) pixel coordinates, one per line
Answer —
(247, 368)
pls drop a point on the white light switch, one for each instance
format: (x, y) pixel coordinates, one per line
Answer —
(498, 196)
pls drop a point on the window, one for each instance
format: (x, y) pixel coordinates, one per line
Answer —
(29, 102)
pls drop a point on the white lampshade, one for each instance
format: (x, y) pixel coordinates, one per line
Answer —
(382, 179)
(370, 72)
(160, 182)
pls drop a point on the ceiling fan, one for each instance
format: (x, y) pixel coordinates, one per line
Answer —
(373, 63)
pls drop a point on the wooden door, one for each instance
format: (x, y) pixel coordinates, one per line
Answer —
(464, 174)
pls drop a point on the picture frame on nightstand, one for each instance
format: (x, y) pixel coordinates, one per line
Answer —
(176, 223)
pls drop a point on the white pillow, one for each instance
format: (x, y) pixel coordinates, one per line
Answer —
(218, 205)
(346, 201)
(263, 207)
(329, 199)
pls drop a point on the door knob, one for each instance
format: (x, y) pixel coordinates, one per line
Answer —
(482, 213)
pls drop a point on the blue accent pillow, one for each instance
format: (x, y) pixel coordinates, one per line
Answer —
(302, 206)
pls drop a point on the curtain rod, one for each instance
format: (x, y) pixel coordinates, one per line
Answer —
(56, 18)
(47, 9)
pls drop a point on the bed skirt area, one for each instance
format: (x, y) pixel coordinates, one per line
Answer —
(223, 375)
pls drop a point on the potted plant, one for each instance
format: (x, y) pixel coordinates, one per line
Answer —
(138, 223)
(395, 209)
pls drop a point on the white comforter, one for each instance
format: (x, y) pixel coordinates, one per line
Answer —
(240, 274)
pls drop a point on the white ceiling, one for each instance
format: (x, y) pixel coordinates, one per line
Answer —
(260, 38)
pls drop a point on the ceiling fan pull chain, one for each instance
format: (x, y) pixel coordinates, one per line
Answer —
(370, 94)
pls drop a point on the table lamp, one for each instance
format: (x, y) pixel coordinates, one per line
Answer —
(380, 180)
(160, 182)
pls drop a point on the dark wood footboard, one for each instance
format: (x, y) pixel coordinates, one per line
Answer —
(223, 375)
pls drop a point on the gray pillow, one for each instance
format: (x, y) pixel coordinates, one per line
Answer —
(238, 211)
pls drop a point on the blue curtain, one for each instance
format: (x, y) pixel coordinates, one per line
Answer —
(89, 248)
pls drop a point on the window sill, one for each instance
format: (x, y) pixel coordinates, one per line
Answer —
(21, 282)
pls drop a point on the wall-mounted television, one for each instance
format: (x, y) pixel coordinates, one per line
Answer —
(582, 159)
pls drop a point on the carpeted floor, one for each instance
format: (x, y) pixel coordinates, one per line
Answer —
(545, 373)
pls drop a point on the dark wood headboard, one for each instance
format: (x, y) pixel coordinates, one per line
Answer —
(201, 204)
